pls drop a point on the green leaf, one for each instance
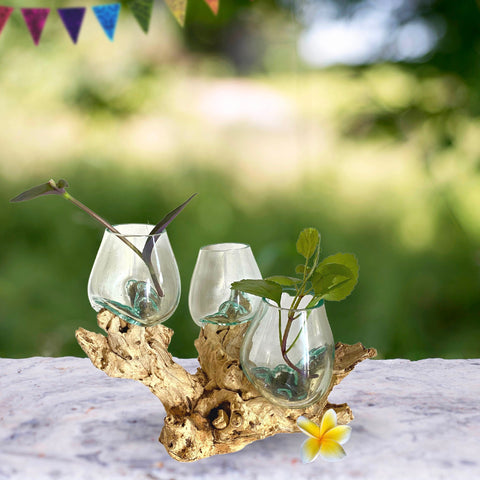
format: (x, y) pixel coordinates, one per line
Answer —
(336, 276)
(328, 279)
(284, 281)
(49, 188)
(313, 302)
(260, 288)
(308, 241)
(302, 270)
(347, 259)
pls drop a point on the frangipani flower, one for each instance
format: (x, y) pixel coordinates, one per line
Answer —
(326, 440)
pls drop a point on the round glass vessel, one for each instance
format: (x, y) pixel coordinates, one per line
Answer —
(141, 286)
(210, 298)
(288, 354)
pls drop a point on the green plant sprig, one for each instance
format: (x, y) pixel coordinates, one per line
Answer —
(332, 279)
(59, 189)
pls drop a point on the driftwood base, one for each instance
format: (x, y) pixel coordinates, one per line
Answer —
(216, 410)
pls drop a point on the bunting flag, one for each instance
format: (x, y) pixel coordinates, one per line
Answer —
(213, 4)
(35, 19)
(72, 18)
(142, 10)
(107, 16)
(5, 13)
(179, 10)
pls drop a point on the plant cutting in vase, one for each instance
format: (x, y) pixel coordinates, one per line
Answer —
(298, 368)
(143, 245)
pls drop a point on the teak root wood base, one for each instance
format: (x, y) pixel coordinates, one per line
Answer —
(216, 410)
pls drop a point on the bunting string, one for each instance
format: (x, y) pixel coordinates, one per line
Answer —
(107, 16)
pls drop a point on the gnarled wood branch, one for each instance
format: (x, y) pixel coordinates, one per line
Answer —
(217, 410)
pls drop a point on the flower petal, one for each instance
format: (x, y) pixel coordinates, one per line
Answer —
(329, 421)
(339, 434)
(308, 427)
(331, 451)
(310, 449)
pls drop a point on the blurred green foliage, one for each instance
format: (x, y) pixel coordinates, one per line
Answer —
(408, 304)
(384, 160)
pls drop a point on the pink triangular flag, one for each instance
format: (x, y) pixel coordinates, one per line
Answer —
(213, 4)
(179, 10)
(35, 19)
(5, 13)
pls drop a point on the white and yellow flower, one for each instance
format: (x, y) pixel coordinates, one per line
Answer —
(325, 440)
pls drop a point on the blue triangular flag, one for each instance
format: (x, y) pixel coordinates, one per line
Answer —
(72, 18)
(107, 15)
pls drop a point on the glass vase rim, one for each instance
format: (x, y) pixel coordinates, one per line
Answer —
(134, 235)
(271, 303)
(224, 247)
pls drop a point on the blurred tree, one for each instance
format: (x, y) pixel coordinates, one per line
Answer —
(235, 33)
(454, 26)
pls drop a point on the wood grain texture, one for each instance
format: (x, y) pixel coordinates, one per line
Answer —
(216, 410)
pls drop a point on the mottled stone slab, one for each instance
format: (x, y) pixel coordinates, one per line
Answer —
(62, 418)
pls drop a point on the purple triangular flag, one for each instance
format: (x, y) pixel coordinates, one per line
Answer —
(5, 13)
(35, 19)
(72, 18)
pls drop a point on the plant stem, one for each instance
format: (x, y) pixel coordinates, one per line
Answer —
(97, 217)
(291, 318)
(153, 274)
(295, 340)
(280, 326)
(121, 237)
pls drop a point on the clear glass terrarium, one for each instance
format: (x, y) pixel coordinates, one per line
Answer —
(139, 292)
(288, 354)
(211, 299)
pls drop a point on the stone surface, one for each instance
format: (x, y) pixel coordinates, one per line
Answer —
(62, 418)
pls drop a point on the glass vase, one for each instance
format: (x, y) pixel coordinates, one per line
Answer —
(288, 354)
(210, 298)
(141, 292)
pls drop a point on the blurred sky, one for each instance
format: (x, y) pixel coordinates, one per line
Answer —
(373, 32)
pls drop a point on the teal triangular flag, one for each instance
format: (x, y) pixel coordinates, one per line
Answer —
(142, 10)
(107, 16)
